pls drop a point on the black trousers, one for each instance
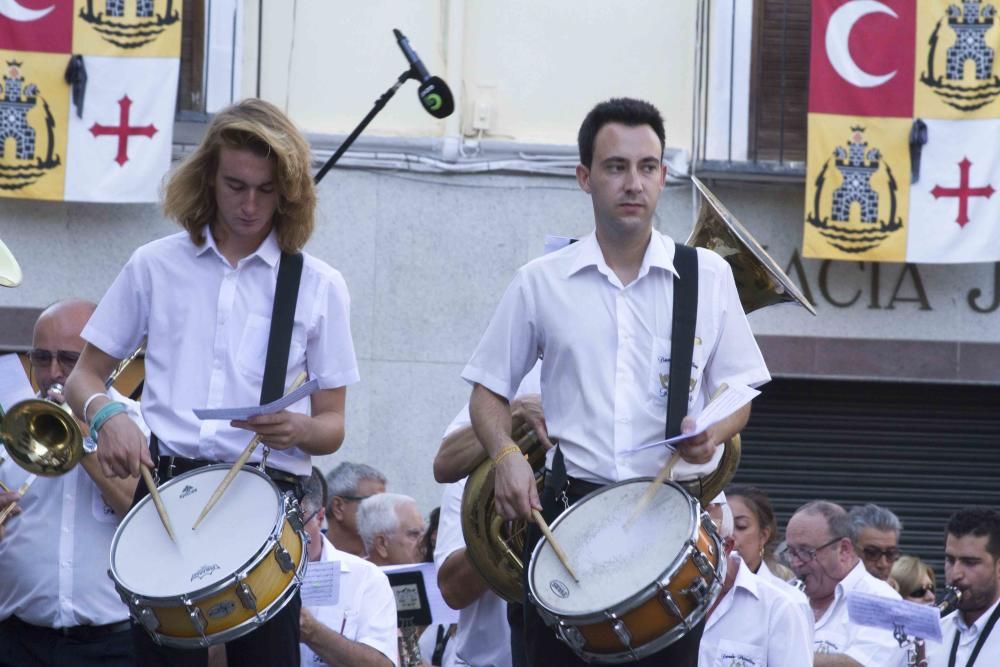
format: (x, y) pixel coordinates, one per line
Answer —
(275, 643)
(544, 649)
(23, 645)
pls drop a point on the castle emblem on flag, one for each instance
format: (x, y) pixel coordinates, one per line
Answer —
(857, 164)
(17, 100)
(116, 28)
(968, 25)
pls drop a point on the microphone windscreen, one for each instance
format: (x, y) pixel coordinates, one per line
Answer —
(436, 97)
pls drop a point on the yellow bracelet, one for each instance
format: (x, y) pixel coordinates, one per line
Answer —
(505, 452)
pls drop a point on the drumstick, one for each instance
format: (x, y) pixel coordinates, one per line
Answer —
(664, 474)
(560, 554)
(157, 501)
(240, 462)
(21, 491)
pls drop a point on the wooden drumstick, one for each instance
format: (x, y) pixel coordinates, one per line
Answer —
(21, 491)
(664, 474)
(560, 554)
(154, 493)
(240, 462)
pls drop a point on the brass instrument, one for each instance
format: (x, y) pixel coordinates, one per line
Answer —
(494, 545)
(10, 272)
(42, 436)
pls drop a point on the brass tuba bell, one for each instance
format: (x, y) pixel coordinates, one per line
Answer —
(41, 437)
(494, 545)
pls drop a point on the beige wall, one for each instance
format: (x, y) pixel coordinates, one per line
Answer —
(538, 66)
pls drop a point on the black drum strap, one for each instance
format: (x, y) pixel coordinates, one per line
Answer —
(279, 341)
(685, 317)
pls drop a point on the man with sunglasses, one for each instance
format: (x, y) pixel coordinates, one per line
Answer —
(348, 484)
(821, 552)
(61, 607)
(876, 537)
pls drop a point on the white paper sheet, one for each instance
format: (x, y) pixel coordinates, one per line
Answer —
(728, 402)
(253, 410)
(440, 611)
(321, 585)
(915, 620)
(14, 383)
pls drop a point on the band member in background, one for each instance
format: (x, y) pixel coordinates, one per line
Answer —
(348, 484)
(598, 314)
(876, 538)
(57, 604)
(202, 299)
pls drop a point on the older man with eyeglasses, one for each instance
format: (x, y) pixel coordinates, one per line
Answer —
(876, 533)
(821, 552)
(347, 485)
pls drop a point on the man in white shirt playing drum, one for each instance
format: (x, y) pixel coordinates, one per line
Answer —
(821, 553)
(598, 314)
(972, 564)
(57, 603)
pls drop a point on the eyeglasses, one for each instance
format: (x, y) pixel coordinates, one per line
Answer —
(42, 358)
(807, 554)
(312, 516)
(874, 554)
(921, 592)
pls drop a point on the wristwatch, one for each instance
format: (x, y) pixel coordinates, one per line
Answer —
(89, 445)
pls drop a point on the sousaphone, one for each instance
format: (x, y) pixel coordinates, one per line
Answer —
(494, 545)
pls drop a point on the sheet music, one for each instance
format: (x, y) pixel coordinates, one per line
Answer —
(321, 585)
(915, 620)
(728, 402)
(14, 383)
(440, 611)
(252, 410)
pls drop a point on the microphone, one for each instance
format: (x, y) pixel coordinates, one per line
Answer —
(434, 94)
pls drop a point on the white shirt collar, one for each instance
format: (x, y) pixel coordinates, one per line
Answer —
(980, 623)
(268, 250)
(659, 254)
(746, 579)
(331, 552)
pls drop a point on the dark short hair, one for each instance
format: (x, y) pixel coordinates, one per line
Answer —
(980, 522)
(624, 110)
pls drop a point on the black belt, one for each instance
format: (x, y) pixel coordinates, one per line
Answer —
(168, 467)
(81, 633)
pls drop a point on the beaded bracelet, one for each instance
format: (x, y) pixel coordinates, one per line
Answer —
(107, 411)
(505, 452)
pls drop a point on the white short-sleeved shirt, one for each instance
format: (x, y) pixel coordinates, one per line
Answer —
(792, 593)
(366, 609)
(835, 633)
(207, 325)
(968, 635)
(605, 351)
(483, 637)
(754, 625)
(55, 555)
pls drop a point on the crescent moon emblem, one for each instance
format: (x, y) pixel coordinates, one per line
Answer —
(838, 31)
(17, 12)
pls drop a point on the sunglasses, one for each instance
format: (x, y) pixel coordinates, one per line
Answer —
(920, 592)
(874, 554)
(42, 358)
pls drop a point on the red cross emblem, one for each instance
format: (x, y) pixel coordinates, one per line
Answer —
(963, 192)
(123, 130)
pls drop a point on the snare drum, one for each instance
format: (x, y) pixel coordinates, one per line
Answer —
(239, 568)
(644, 582)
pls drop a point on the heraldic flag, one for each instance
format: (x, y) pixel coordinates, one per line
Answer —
(904, 131)
(87, 96)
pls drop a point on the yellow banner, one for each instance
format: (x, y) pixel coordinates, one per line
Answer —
(857, 188)
(127, 28)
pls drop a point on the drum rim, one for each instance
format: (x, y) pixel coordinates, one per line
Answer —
(222, 584)
(630, 602)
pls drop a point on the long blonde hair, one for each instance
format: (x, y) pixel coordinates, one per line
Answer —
(262, 128)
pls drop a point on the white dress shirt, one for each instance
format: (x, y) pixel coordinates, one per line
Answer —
(605, 351)
(483, 637)
(835, 633)
(55, 555)
(792, 593)
(754, 625)
(207, 325)
(968, 635)
(365, 611)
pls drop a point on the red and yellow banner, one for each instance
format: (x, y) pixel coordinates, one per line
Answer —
(107, 136)
(904, 130)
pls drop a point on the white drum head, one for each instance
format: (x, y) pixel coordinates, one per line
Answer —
(613, 561)
(147, 563)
